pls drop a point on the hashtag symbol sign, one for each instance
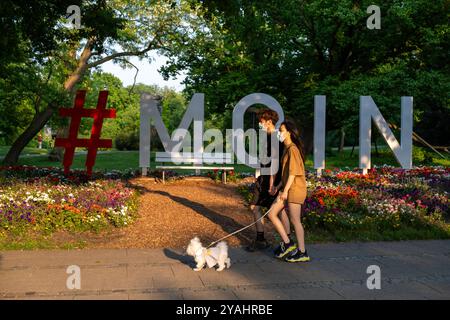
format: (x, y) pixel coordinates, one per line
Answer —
(72, 141)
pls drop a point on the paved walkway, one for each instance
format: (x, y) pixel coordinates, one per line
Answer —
(409, 270)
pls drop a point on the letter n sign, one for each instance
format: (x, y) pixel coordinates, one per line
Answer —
(368, 111)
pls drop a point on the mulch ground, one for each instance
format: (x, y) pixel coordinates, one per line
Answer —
(171, 214)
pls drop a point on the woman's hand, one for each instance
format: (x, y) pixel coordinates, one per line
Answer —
(284, 196)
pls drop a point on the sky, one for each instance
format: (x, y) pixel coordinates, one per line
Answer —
(148, 72)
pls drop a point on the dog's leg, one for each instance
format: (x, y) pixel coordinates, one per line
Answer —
(200, 264)
(228, 262)
(221, 266)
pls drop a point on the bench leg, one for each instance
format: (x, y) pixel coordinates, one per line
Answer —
(224, 176)
(164, 176)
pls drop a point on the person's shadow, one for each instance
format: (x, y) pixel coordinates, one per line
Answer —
(228, 224)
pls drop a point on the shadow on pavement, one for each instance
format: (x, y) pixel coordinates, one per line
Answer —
(184, 259)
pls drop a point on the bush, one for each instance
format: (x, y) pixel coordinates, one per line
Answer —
(127, 141)
(422, 156)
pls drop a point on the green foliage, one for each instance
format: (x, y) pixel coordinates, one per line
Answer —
(422, 156)
(127, 141)
(56, 58)
(217, 175)
(173, 108)
(296, 49)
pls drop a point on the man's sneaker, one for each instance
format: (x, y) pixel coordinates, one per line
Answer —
(298, 256)
(257, 245)
(283, 249)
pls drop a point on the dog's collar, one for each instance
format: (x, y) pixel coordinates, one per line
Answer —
(199, 252)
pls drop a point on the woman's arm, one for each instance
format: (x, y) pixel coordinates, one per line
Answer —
(276, 188)
(284, 195)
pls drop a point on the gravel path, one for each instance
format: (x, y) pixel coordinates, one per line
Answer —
(173, 213)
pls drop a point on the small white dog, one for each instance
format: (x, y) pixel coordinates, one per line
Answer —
(217, 255)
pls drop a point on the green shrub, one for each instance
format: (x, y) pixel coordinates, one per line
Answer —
(127, 141)
(422, 156)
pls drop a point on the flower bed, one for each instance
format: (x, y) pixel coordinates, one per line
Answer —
(45, 200)
(387, 203)
(217, 175)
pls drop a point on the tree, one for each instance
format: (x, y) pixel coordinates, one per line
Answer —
(111, 30)
(294, 49)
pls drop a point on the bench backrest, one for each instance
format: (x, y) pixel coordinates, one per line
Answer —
(190, 157)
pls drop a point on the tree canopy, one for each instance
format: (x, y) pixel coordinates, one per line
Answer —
(53, 59)
(294, 49)
(290, 49)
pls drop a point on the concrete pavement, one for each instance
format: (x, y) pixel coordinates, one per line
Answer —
(408, 269)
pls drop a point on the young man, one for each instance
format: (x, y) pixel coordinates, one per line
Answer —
(265, 194)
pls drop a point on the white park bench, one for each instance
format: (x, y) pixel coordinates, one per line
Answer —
(197, 162)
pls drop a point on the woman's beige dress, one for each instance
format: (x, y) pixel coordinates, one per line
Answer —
(292, 164)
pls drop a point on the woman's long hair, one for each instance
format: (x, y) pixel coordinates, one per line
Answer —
(292, 128)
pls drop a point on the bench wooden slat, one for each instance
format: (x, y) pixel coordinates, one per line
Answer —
(190, 157)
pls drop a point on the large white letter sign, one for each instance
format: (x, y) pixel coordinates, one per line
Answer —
(238, 142)
(368, 111)
(319, 133)
(172, 145)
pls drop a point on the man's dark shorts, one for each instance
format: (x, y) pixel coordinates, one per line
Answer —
(261, 195)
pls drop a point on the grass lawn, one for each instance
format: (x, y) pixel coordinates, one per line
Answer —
(26, 151)
(111, 160)
(36, 241)
(122, 160)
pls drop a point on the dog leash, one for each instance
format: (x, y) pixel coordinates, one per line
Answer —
(237, 231)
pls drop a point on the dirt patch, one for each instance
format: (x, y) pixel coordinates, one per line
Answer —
(171, 214)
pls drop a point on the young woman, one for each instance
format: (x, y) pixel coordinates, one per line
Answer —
(264, 193)
(293, 192)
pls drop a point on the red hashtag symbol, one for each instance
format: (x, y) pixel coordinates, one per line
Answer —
(76, 113)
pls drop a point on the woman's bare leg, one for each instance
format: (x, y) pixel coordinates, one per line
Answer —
(295, 215)
(285, 221)
(277, 207)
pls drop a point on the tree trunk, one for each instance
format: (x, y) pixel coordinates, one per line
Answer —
(21, 142)
(376, 148)
(41, 118)
(308, 141)
(353, 147)
(341, 145)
